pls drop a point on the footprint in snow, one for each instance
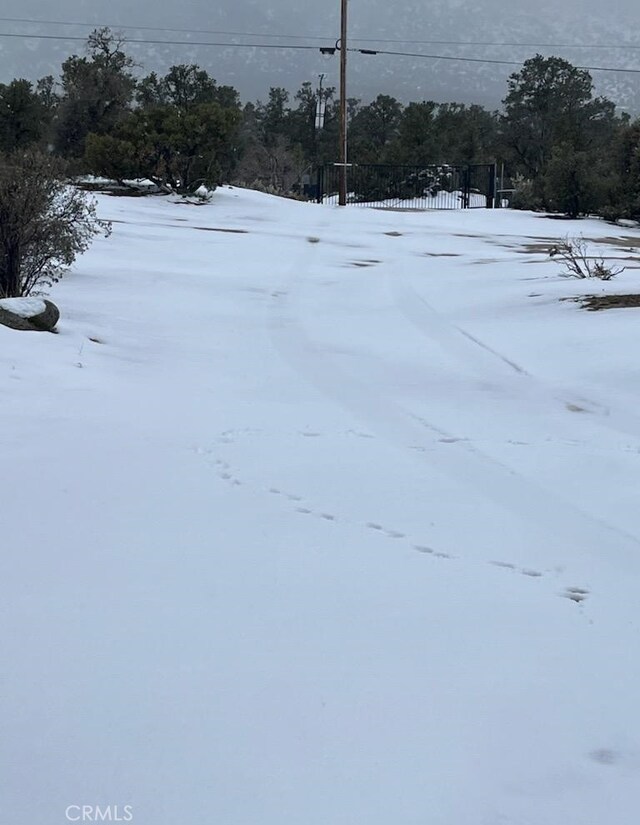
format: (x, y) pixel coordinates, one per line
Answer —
(605, 756)
(504, 564)
(575, 594)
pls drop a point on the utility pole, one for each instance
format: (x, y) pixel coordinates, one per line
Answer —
(342, 194)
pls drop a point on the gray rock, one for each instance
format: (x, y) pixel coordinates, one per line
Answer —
(44, 321)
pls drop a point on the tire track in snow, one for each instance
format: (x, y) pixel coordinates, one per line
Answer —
(565, 524)
(453, 340)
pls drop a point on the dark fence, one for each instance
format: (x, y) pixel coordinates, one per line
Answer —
(411, 187)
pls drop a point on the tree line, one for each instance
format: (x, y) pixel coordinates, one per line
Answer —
(564, 149)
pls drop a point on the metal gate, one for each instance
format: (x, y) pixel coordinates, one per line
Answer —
(437, 186)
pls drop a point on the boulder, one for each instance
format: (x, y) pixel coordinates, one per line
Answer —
(29, 314)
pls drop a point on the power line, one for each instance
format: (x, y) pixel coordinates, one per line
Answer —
(506, 44)
(485, 60)
(165, 42)
(162, 29)
(503, 43)
(308, 47)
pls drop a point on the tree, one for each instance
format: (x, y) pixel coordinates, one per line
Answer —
(624, 201)
(550, 102)
(465, 134)
(23, 116)
(44, 223)
(185, 132)
(97, 92)
(417, 137)
(276, 168)
(374, 128)
(178, 150)
(272, 116)
(185, 86)
(571, 183)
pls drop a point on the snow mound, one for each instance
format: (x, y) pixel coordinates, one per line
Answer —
(23, 307)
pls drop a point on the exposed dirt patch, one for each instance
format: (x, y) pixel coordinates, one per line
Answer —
(625, 243)
(441, 254)
(537, 246)
(597, 302)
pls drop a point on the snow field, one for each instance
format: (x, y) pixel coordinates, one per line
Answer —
(322, 516)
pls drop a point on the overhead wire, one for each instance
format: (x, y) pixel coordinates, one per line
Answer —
(153, 42)
(485, 60)
(304, 47)
(225, 33)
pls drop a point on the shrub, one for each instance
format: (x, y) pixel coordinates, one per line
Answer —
(526, 195)
(573, 255)
(45, 223)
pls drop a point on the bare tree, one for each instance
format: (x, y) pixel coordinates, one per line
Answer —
(45, 222)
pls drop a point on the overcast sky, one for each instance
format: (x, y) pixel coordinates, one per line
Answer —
(591, 22)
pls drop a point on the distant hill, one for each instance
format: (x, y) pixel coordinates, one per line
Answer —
(253, 71)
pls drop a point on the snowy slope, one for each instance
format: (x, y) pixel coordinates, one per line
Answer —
(322, 517)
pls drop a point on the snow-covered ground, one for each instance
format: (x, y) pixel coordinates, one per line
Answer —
(322, 517)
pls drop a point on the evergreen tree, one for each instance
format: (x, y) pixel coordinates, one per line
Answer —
(550, 102)
(374, 129)
(24, 115)
(97, 92)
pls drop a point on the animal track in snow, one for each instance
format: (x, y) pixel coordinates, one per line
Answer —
(576, 594)
(226, 473)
